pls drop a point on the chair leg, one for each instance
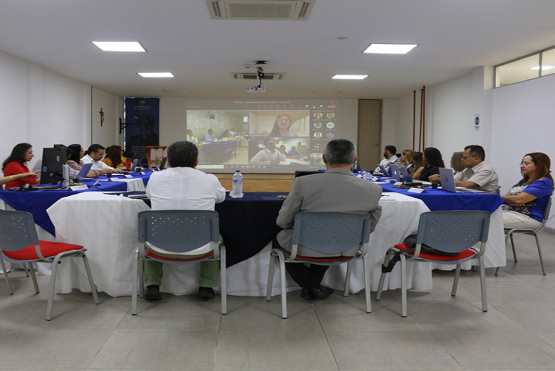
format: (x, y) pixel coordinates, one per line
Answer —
(90, 277)
(348, 279)
(483, 284)
(51, 290)
(513, 246)
(26, 270)
(135, 282)
(539, 252)
(282, 273)
(270, 276)
(367, 283)
(223, 279)
(6, 276)
(456, 280)
(403, 286)
(33, 277)
(496, 270)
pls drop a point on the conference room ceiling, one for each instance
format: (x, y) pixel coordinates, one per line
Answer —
(453, 38)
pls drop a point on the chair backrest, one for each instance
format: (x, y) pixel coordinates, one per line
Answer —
(179, 230)
(17, 230)
(546, 212)
(453, 231)
(331, 233)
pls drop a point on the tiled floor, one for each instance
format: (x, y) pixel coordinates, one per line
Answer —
(181, 333)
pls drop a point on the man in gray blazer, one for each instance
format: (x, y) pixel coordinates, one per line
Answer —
(336, 190)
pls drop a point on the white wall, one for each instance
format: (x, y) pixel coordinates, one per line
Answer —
(44, 108)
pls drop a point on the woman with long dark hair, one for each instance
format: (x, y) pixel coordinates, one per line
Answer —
(75, 162)
(114, 157)
(282, 127)
(527, 198)
(16, 172)
(432, 162)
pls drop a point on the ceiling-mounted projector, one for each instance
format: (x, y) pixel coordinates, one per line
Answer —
(256, 89)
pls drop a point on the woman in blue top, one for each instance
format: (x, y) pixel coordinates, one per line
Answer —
(527, 198)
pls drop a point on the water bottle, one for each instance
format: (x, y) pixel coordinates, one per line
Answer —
(237, 191)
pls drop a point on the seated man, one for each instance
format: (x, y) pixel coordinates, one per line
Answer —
(293, 152)
(390, 157)
(182, 187)
(209, 136)
(477, 174)
(94, 155)
(268, 156)
(337, 190)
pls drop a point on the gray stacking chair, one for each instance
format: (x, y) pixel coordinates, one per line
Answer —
(19, 244)
(529, 232)
(327, 233)
(447, 231)
(177, 231)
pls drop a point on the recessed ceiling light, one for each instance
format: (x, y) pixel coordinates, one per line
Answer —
(155, 74)
(390, 48)
(117, 46)
(543, 67)
(349, 77)
(328, 92)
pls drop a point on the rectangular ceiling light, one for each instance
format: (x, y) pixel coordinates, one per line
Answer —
(349, 77)
(109, 46)
(544, 68)
(155, 74)
(390, 48)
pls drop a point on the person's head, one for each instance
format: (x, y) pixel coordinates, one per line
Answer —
(282, 147)
(270, 144)
(182, 154)
(96, 151)
(114, 154)
(418, 160)
(293, 148)
(457, 161)
(77, 152)
(473, 155)
(189, 132)
(22, 153)
(389, 151)
(339, 153)
(282, 123)
(210, 131)
(146, 124)
(406, 156)
(432, 157)
(535, 166)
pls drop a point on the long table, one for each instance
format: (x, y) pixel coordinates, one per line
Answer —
(247, 226)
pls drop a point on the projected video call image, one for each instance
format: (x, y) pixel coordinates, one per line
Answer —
(260, 136)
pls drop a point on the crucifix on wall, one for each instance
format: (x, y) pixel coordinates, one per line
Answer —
(101, 117)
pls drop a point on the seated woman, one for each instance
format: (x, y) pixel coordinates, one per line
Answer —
(432, 162)
(527, 198)
(74, 161)
(456, 162)
(114, 157)
(16, 172)
(282, 127)
(406, 161)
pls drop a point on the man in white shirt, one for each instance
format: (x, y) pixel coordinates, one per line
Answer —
(95, 156)
(477, 174)
(182, 187)
(390, 157)
(268, 156)
(209, 136)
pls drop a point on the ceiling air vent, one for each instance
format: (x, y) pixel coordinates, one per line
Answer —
(260, 9)
(252, 76)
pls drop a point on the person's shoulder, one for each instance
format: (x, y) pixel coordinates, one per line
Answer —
(546, 182)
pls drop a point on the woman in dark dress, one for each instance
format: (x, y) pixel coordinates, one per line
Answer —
(432, 162)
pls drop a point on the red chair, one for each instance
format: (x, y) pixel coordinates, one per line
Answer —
(19, 244)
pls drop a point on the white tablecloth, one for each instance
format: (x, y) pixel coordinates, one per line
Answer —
(107, 227)
(135, 184)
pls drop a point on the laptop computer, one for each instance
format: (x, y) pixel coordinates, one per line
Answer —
(383, 170)
(448, 182)
(405, 176)
(84, 171)
(134, 164)
(394, 172)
